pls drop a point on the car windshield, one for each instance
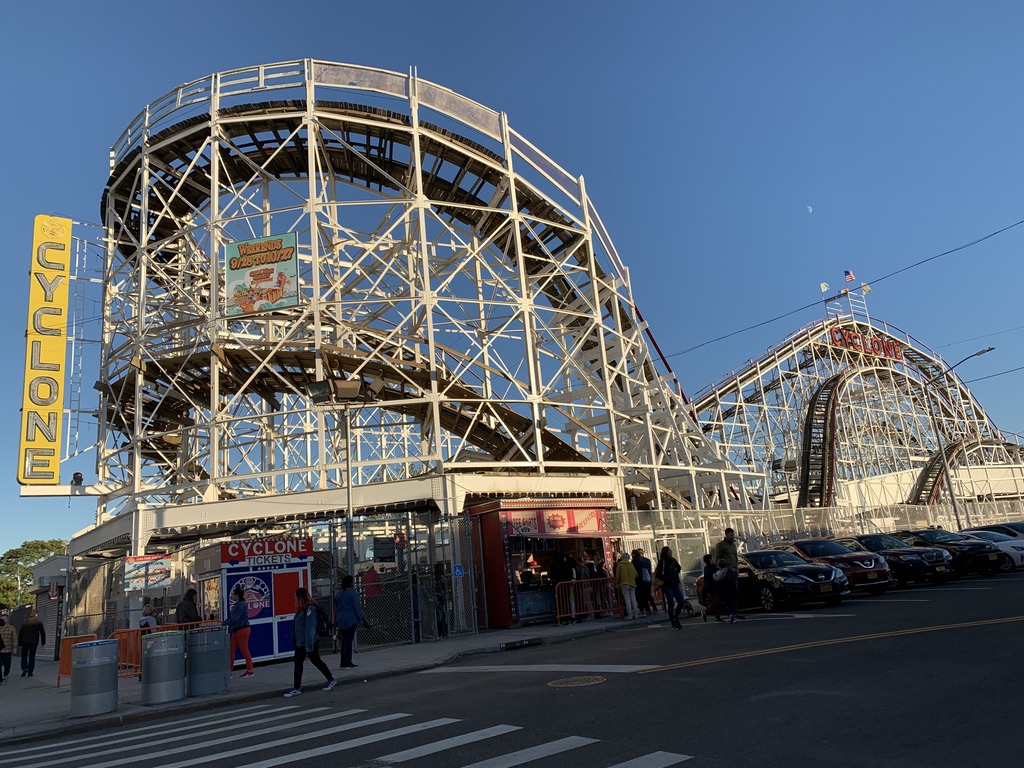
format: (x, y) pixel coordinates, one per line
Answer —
(773, 559)
(989, 535)
(1018, 527)
(939, 536)
(824, 548)
(880, 541)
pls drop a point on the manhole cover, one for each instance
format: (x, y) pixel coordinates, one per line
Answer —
(575, 682)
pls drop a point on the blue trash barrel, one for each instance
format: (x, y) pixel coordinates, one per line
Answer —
(206, 660)
(93, 677)
(163, 667)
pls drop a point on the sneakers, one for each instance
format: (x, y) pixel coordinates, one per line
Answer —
(293, 692)
(732, 619)
(349, 666)
(704, 616)
(330, 684)
(248, 673)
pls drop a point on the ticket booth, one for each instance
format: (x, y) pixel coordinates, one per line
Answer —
(269, 571)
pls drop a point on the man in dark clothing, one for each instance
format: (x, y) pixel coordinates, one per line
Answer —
(31, 635)
(727, 554)
(644, 572)
(186, 611)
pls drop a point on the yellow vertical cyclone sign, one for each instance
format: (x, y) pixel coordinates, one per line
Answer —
(45, 353)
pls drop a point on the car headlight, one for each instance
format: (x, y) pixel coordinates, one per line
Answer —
(946, 555)
(839, 575)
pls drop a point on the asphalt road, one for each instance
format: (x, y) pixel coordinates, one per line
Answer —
(927, 676)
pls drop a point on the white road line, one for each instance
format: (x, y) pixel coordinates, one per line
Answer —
(440, 746)
(328, 749)
(579, 668)
(801, 616)
(533, 753)
(176, 737)
(142, 729)
(654, 760)
(243, 734)
(889, 600)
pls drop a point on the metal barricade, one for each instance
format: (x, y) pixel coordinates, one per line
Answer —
(580, 599)
(94, 678)
(64, 667)
(206, 660)
(163, 667)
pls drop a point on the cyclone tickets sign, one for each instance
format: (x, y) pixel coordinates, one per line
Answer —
(261, 552)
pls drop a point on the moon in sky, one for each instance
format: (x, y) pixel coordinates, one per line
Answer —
(809, 209)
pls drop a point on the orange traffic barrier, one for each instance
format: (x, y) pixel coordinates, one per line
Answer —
(129, 644)
(64, 662)
(584, 597)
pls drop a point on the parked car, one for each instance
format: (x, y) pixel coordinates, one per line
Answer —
(1016, 530)
(862, 570)
(1012, 549)
(905, 563)
(771, 578)
(969, 555)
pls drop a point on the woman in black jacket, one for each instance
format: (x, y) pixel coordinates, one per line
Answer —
(669, 571)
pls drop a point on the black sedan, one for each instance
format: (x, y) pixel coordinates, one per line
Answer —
(772, 578)
(906, 563)
(969, 555)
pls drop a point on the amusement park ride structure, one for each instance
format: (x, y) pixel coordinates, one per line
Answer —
(279, 233)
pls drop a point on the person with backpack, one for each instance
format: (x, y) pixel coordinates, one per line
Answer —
(348, 614)
(238, 626)
(304, 638)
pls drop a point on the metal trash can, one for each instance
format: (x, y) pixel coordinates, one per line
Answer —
(163, 667)
(206, 660)
(94, 677)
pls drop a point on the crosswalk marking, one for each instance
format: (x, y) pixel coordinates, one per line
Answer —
(654, 760)
(441, 746)
(124, 734)
(244, 734)
(176, 738)
(328, 749)
(576, 668)
(533, 753)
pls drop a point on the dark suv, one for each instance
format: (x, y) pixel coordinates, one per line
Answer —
(969, 555)
(906, 563)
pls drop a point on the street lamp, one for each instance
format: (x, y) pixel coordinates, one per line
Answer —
(938, 435)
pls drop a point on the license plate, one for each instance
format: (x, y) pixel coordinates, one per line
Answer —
(940, 567)
(826, 587)
(993, 557)
(872, 575)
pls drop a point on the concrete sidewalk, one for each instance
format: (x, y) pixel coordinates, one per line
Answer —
(34, 707)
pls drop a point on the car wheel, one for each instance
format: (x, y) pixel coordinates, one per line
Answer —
(768, 600)
(832, 601)
(1006, 563)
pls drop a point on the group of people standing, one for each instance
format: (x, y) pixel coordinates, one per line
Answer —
(30, 635)
(721, 580)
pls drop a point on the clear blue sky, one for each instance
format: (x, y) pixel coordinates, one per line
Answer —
(704, 131)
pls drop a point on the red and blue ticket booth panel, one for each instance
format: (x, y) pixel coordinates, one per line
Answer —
(268, 571)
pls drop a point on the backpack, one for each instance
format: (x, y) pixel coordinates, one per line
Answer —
(323, 627)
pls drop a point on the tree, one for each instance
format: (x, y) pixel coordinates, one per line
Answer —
(16, 565)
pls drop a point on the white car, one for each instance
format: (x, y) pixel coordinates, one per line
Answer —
(1013, 530)
(1013, 549)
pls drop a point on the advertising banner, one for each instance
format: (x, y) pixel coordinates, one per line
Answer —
(42, 403)
(262, 274)
(261, 553)
(147, 572)
(552, 522)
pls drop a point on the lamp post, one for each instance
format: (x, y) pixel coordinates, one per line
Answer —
(938, 435)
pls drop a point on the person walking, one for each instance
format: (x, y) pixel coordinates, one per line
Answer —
(186, 611)
(727, 552)
(644, 573)
(669, 571)
(8, 639)
(709, 598)
(147, 622)
(348, 615)
(625, 580)
(304, 639)
(31, 635)
(238, 626)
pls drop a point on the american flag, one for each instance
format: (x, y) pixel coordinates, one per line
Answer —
(849, 275)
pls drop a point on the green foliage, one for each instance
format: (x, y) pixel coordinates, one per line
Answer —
(18, 562)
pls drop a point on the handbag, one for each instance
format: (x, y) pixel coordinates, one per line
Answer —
(720, 574)
(656, 584)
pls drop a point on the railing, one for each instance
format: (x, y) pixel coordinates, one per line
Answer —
(575, 600)
(129, 644)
